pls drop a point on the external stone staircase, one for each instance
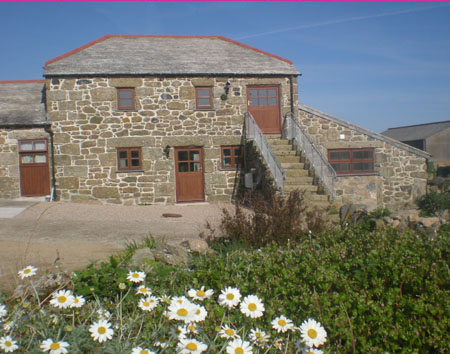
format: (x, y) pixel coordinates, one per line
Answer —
(299, 174)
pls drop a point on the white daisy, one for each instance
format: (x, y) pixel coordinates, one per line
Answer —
(182, 311)
(313, 334)
(162, 342)
(3, 311)
(200, 313)
(282, 324)
(136, 277)
(228, 333)
(192, 328)
(260, 338)
(27, 272)
(178, 332)
(238, 346)
(103, 314)
(8, 326)
(252, 306)
(139, 350)
(78, 301)
(143, 290)
(190, 346)
(229, 297)
(303, 349)
(200, 294)
(62, 299)
(101, 331)
(8, 345)
(148, 303)
(49, 345)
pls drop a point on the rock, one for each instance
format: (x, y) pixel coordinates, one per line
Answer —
(352, 213)
(197, 245)
(43, 286)
(142, 256)
(162, 252)
(429, 222)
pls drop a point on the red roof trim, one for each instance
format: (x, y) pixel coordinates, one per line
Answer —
(20, 81)
(101, 39)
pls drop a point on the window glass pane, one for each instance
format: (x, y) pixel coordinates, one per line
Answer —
(123, 163)
(122, 154)
(237, 160)
(40, 158)
(237, 151)
(362, 166)
(195, 166)
(182, 155)
(203, 93)
(263, 101)
(272, 101)
(204, 102)
(339, 155)
(39, 145)
(272, 93)
(135, 163)
(226, 152)
(341, 167)
(227, 161)
(125, 102)
(27, 158)
(183, 167)
(360, 155)
(253, 93)
(253, 101)
(194, 156)
(135, 153)
(262, 93)
(123, 94)
(27, 146)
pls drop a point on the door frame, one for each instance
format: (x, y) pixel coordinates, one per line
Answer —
(178, 177)
(267, 86)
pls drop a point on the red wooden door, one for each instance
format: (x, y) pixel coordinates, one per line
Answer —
(34, 168)
(263, 102)
(189, 174)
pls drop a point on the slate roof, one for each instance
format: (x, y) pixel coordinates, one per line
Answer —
(22, 103)
(364, 131)
(416, 132)
(167, 55)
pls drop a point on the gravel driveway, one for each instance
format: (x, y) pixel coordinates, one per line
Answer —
(68, 236)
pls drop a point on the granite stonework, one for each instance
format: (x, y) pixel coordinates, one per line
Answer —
(9, 157)
(400, 175)
(88, 128)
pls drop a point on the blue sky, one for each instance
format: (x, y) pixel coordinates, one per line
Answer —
(375, 64)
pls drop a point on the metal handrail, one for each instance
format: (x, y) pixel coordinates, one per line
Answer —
(254, 133)
(322, 167)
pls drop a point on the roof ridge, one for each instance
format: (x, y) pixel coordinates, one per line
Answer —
(21, 81)
(418, 125)
(107, 36)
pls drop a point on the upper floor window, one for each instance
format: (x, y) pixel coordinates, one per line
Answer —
(232, 156)
(125, 98)
(203, 97)
(352, 161)
(129, 159)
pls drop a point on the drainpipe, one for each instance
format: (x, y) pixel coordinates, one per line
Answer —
(291, 84)
(48, 129)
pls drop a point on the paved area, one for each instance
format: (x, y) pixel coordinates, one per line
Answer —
(68, 236)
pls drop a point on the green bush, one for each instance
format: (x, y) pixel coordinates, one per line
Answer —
(433, 203)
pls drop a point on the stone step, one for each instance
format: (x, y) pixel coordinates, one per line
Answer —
(279, 142)
(289, 187)
(289, 159)
(279, 153)
(296, 172)
(293, 166)
(276, 148)
(298, 180)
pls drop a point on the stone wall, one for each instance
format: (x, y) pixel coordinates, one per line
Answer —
(400, 175)
(88, 129)
(9, 158)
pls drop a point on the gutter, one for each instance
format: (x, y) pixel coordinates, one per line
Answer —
(49, 130)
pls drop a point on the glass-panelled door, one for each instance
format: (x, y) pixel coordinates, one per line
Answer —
(263, 102)
(34, 168)
(189, 174)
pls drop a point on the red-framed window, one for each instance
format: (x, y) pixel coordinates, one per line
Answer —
(33, 152)
(129, 159)
(203, 97)
(232, 156)
(352, 161)
(125, 99)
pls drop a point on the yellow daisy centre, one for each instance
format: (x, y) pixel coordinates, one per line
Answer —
(8, 343)
(282, 322)
(198, 312)
(191, 346)
(238, 351)
(135, 275)
(27, 271)
(191, 328)
(312, 333)
(182, 312)
(143, 290)
(143, 351)
(54, 346)
(76, 300)
(230, 296)
(252, 307)
(62, 299)
(229, 332)
(201, 293)
(179, 301)
(146, 303)
(101, 330)
(161, 340)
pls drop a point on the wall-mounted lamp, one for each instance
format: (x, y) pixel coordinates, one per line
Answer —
(166, 151)
(226, 88)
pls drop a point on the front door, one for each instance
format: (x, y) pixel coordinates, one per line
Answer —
(263, 102)
(189, 174)
(34, 168)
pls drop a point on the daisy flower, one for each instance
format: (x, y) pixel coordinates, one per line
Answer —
(188, 346)
(238, 346)
(142, 290)
(136, 277)
(162, 342)
(200, 294)
(27, 272)
(229, 297)
(200, 313)
(3, 311)
(8, 325)
(260, 338)
(303, 349)
(49, 345)
(182, 311)
(228, 333)
(252, 306)
(62, 299)
(178, 332)
(103, 314)
(282, 324)
(148, 303)
(139, 350)
(101, 331)
(7, 344)
(192, 328)
(313, 334)
(78, 301)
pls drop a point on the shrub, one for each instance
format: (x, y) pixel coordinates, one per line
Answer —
(433, 203)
